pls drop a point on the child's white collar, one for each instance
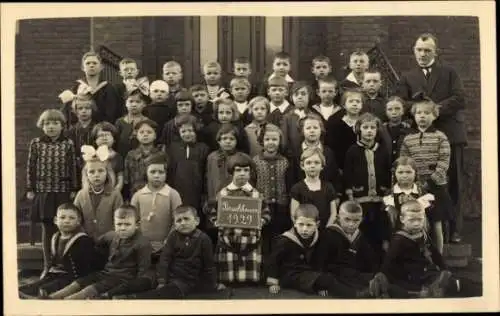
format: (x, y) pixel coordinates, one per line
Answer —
(242, 106)
(352, 78)
(246, 187)
(397, 189)
(282, 107)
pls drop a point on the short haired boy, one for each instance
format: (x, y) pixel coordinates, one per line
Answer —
(240, 90)
(374, 100)
(327, 92)
(321, 67)
(413, 266)
(295, 261)
(358, 63)
(129, 258)
(278, 92)
(128, 72)
(203, 108)
(186, 263)
(281, 69)
(173, 76)
(347, 252)
(212, 76)
(242, 67)
(72, 254)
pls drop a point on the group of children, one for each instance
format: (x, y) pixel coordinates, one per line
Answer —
(351, 186)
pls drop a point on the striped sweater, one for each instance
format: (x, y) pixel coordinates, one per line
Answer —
(51, 165)
(431, 151)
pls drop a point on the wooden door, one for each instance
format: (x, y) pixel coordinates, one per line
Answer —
(171, 38)
(241, 37)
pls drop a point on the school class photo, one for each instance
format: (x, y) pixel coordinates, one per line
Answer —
(232, 157)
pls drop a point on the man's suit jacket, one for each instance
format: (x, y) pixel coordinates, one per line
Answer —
(445, 88)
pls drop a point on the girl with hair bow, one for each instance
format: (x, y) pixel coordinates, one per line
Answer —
(94, 87)
(98, 197)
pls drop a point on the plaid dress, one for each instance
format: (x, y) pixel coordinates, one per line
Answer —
(238, 254)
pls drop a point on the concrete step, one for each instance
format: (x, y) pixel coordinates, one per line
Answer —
(457, 250)
(26, 251)
(457, 262)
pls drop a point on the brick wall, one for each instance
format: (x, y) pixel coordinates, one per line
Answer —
(123, 35)
(458, 41)
(48, 56)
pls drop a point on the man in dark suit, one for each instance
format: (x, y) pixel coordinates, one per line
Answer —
(442, 84)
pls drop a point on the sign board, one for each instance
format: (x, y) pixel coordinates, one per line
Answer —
(239, 212)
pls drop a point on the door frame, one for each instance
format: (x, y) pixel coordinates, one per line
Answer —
(225, 53)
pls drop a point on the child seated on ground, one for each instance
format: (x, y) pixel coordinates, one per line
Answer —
(348, 255)
(295, 259)
(413, 266)
(71, 254)
(186, 263)
(238, 254)
(129, 258)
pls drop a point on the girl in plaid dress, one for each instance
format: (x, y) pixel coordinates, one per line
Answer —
(238, 254)
(51, 175)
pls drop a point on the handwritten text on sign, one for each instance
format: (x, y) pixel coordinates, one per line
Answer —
(239, 212)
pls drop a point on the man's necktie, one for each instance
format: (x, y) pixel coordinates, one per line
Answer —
(427, 72)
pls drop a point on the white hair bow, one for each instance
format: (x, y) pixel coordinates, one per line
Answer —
(83, 89)
(90, 153)
(222, 95)
(141, 84)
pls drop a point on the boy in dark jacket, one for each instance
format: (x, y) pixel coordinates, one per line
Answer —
(186, 263)
(295, 261)
(413, 267)
(129, 258)
(347, 253)
(72, 254)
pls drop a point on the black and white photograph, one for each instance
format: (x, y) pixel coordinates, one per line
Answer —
(280, 157)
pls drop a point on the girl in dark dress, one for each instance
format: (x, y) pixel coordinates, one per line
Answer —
(408, 188)
(187, 164)
(367, 178)
(313, 190)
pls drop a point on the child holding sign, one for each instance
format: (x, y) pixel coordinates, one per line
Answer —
(238, 254)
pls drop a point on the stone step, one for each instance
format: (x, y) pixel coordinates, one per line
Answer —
(29, 257)
(27, 233)
(457, 250)
(457, 262)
